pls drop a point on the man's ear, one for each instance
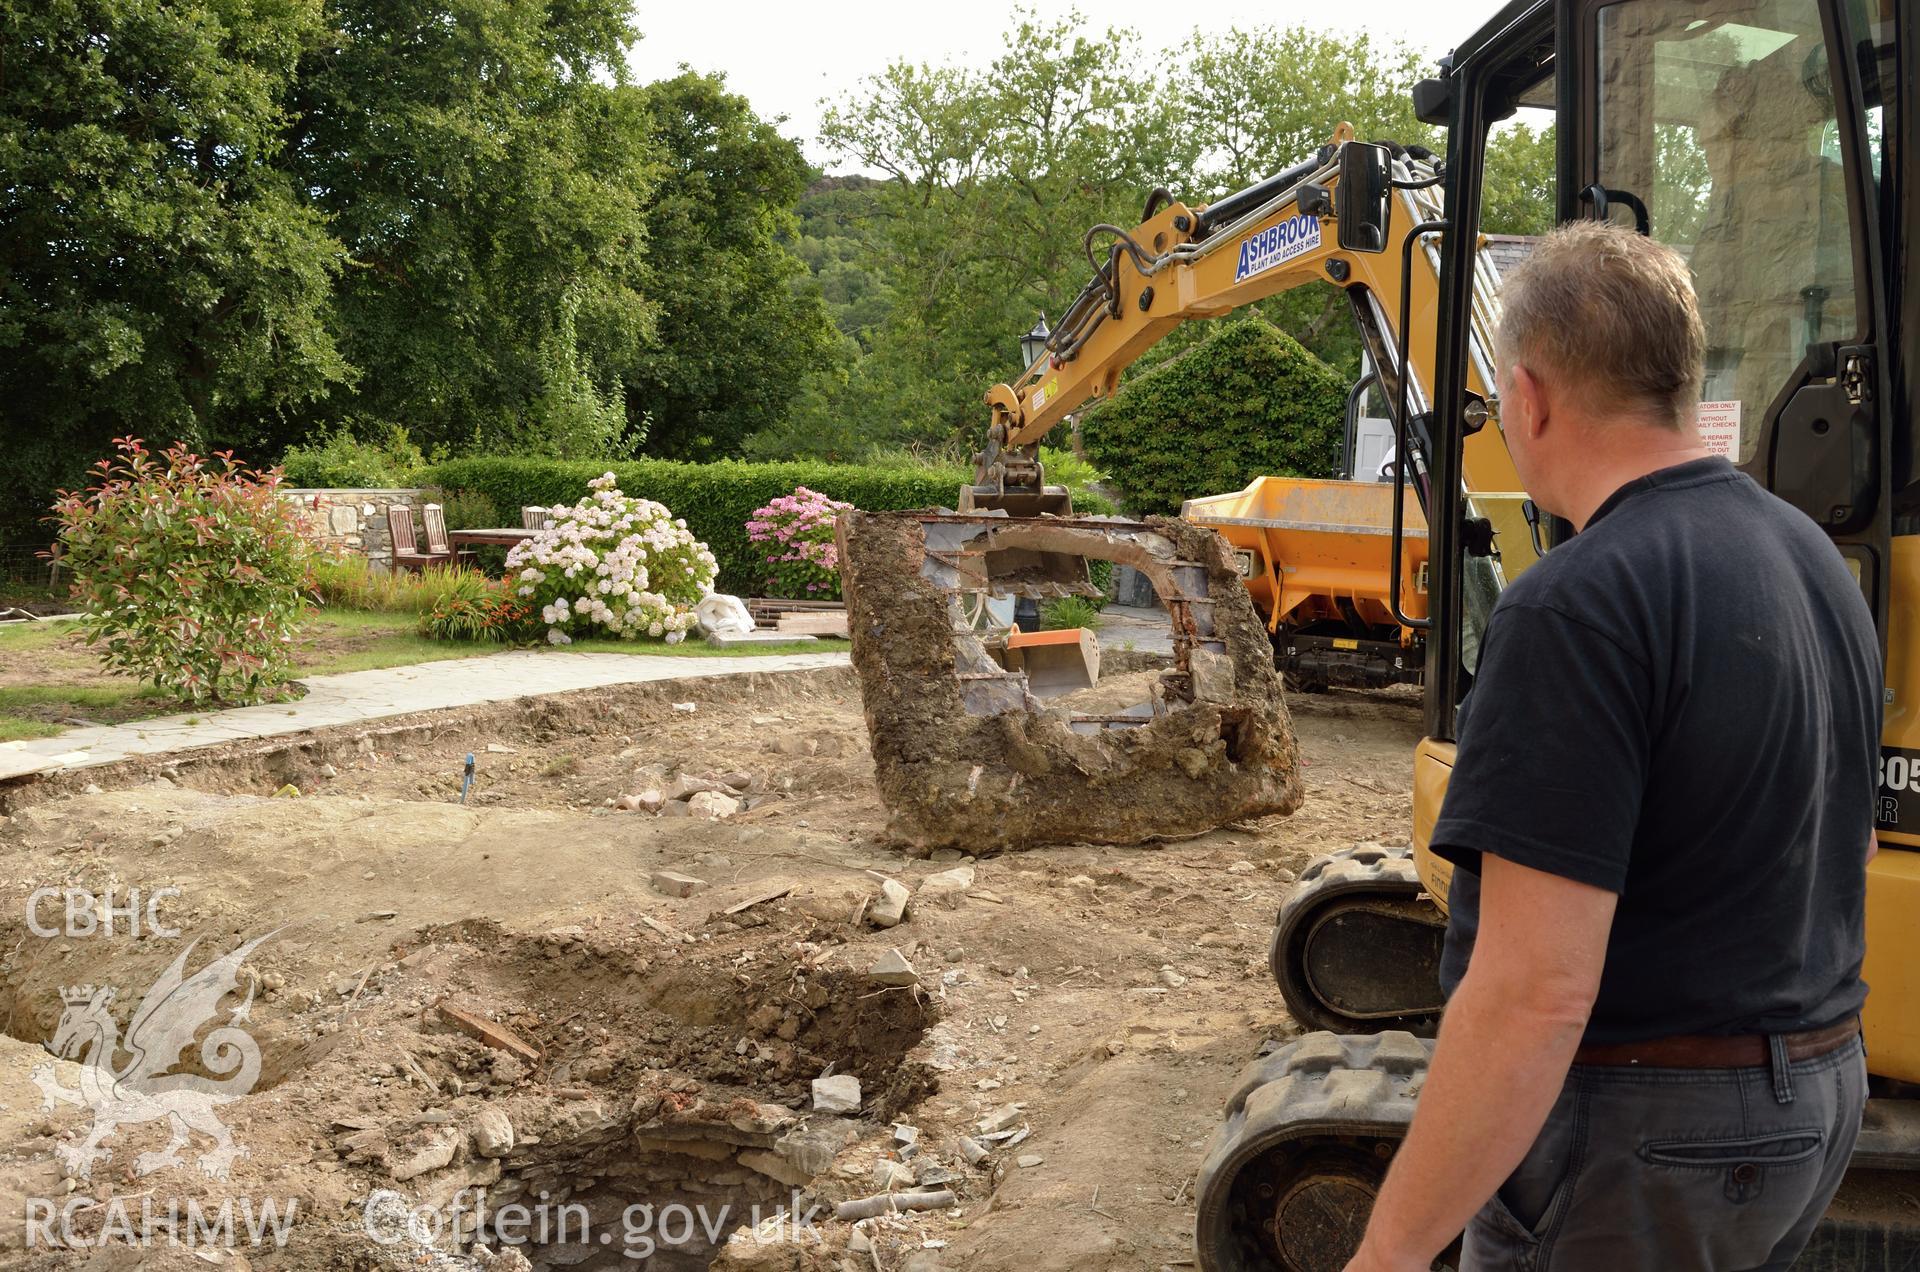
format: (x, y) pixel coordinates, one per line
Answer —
(1526, 401)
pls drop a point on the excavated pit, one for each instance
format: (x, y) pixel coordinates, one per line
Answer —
(668, 1106)
(966, 757)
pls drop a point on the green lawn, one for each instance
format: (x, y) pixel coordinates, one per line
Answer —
(47, 675)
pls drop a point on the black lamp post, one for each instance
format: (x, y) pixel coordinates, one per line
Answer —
(1033, 345)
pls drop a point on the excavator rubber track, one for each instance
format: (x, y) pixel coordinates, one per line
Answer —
(1356, 947)
(1290, 1177)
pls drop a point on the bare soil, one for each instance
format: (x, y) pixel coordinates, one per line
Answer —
(1110, 992)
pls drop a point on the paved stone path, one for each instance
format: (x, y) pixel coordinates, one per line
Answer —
(1148, 630)
(373, 695)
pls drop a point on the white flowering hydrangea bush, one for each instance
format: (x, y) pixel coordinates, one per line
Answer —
(612, 565)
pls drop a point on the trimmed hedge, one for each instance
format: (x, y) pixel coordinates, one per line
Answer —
(715, 499)
(1248, 401)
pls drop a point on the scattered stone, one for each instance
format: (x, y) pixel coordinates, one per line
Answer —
(858, 1242)
(712, 806)
(500, 748)
(904, 1134)
(627, 804)
(1027, 1161)
(947, 887)
(1241, 867)
(1000, 1119)
(428, 1152)
(837, 1094)
(891, 907)
(329, 772)
(1218, 940)
(492, 1133)
(672, 883)
(928, 1173)
(793, 744)
(686, 785)
(737, 780)
(972, 1149)
(1171, 979)
(674, 808)
(1284, 875)
(91, 788)
(832, 900)
(688, 707)
(889, 1175)
(892, 968)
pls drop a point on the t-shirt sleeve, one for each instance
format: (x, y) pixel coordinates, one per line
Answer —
(1553, 748)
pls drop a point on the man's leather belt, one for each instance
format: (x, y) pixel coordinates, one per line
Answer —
(1738, 1051)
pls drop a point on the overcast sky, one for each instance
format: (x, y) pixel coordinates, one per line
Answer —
(785, 56)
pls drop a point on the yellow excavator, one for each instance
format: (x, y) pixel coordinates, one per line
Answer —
(1770, 142)
(1344, 596)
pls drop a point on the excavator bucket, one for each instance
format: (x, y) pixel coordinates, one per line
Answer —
(1055, 663)
(987, 742)
(1036, 573)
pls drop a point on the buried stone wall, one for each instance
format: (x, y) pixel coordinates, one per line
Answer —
(966, 758)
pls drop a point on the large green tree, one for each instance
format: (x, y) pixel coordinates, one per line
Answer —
(996, 172)
(490, 184)
(159, 270)
(741, 323)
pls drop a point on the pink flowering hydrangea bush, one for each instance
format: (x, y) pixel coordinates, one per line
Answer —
(797, 531)
(615, 566)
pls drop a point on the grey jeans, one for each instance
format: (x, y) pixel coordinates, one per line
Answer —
(1681, 1170)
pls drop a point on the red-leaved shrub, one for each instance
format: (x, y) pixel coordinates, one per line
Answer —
(192, 574)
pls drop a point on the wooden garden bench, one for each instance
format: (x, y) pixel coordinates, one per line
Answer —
(438, 546)
(406, 549)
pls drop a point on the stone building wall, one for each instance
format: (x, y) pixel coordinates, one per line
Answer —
(355, 521)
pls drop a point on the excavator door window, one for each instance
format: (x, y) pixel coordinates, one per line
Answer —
(1739, 133)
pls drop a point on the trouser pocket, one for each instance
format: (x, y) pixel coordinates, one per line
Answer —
(1743, 1163)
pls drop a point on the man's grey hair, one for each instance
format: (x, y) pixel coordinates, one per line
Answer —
(1610, 314)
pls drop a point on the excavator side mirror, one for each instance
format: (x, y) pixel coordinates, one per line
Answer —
(1362, 199)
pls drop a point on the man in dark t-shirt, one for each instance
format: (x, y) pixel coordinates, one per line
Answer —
(1659, 818)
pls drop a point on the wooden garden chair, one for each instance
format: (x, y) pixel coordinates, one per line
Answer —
(439, 547)
(406, 550)
(533, 518)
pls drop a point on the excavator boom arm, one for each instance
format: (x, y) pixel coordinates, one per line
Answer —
(1184, 262)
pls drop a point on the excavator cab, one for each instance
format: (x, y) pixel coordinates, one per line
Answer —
(1771, 143)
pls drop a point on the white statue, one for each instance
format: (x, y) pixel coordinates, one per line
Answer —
(723, 615)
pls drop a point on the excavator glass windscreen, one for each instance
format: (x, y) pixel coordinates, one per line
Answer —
(1717, 122)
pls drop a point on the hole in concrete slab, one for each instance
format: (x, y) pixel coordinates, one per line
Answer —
(989, 566)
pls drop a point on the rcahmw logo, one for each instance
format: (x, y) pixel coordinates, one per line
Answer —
(1277, 243)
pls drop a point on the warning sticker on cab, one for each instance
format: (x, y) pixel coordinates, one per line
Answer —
(1276, 245)
(1719, 424)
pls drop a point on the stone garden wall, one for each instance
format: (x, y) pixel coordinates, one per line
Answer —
(355, 521)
